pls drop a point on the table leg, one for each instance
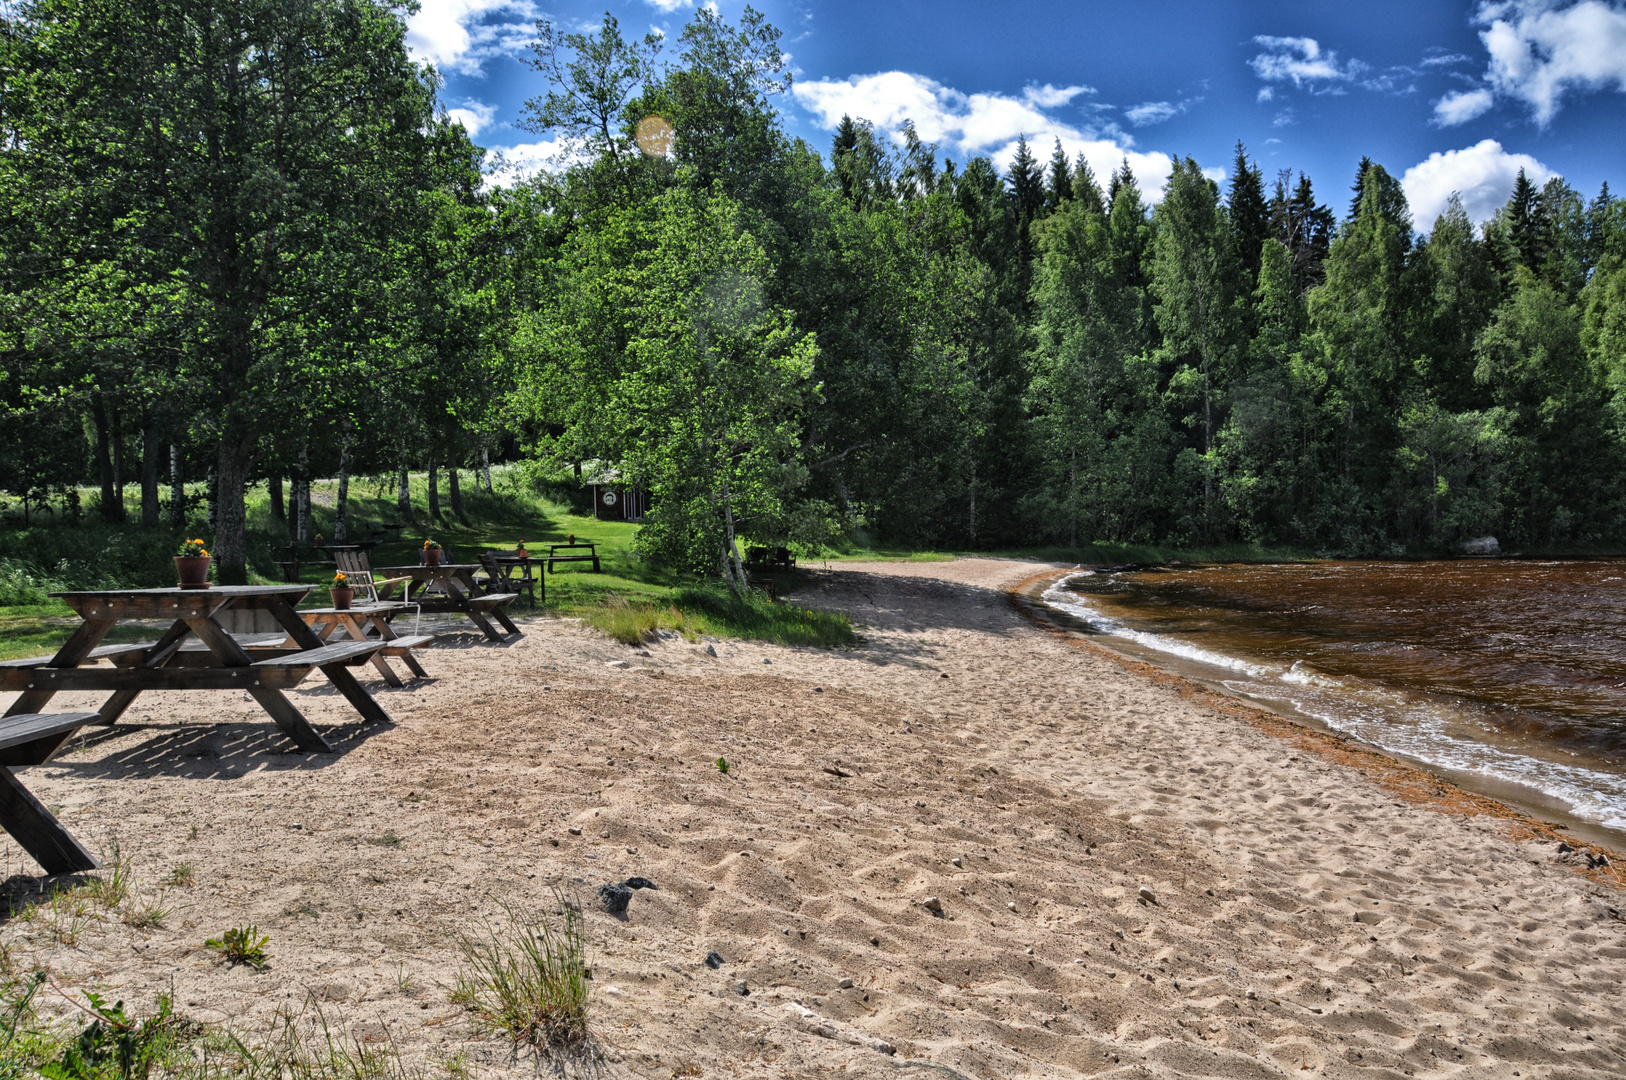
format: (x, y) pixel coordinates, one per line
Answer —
(359, 633)
(485, 627)
(39, 833)
(337, 674)
(282, 711)
(387, 633)
(155, 657)
(72, 654)
(502, 617)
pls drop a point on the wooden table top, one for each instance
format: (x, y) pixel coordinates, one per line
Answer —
(426, 569)
(213, 590)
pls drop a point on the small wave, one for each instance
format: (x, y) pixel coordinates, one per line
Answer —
(1400, 723)
(1059, 598)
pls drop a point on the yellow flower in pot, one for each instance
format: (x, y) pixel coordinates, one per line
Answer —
(341, 591)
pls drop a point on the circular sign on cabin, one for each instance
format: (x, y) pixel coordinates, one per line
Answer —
(609, 498)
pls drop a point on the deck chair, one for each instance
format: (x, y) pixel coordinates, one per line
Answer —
(358, 570)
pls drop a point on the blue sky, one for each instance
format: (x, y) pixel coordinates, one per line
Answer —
(1448, 96)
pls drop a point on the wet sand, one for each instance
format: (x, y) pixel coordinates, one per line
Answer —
(1306, 906)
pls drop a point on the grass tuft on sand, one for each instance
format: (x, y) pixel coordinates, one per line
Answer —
(529, 981)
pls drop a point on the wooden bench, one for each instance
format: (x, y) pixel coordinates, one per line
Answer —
(348, 653)
(26, 727)
(402, 646)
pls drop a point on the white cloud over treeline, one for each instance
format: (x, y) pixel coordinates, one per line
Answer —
(968, 125)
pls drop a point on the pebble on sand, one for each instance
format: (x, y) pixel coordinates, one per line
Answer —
(618, 664)
(1147, 895)
(956, 861)
(845, 984)
(933, 905)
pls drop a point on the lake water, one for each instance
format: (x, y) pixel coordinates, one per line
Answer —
(1509, 676)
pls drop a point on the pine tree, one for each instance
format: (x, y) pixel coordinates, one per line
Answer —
(1250, 215)
(1061, 180)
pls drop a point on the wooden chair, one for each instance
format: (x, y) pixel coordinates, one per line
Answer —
(358, 570)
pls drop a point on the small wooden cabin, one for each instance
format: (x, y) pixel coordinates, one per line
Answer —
(619, 502)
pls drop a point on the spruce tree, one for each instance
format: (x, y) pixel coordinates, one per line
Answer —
(1061, 180)
(1027, 184)
(1250, 215)
(1303, 226)
(1521, 217)
(1085, 188)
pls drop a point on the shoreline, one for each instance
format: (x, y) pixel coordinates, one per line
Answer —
(1412, 780)
(1130, 874)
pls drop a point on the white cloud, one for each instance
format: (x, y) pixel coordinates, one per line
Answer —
(509, 165)
(1050, 97)
(473, 115)
(1482, 174)
(461, 35)
(1300, 60)
(1265, 94)
(1461, 106)
(666, 7)
(1155, 112)
(973, 124)
(1152, 112)
(1541, 49)
(1445, 59)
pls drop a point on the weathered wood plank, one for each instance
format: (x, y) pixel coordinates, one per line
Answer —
(26, 727)
(50, 681)
(328, 654)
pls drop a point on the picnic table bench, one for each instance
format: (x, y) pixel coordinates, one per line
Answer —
(451, 587)
(591, 556)
(196, 652)
(362, 622)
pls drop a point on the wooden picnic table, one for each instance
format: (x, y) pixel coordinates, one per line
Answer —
(591, 556)
(371, 622)
(194, 653)
(299, 556)
(508, 564)
(451, 587)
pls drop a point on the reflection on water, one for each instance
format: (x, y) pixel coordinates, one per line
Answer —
(1511, 671)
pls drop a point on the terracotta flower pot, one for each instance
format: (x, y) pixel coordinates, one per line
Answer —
(194, 571)
(431, 556)
(342, 598)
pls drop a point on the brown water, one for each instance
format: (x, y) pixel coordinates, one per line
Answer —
(1511, 675)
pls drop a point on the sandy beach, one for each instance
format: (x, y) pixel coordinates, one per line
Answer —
(1132, 877)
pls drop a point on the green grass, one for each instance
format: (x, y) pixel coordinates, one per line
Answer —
(695, 611)
(628, 599)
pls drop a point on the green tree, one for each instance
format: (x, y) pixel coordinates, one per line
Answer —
(1195, 275)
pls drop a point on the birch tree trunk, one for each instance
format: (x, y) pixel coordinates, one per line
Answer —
(177, 486)
(341, 502)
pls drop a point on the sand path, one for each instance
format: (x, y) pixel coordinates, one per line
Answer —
(1304, 918)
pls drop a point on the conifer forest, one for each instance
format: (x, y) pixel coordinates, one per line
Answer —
(242, 241)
